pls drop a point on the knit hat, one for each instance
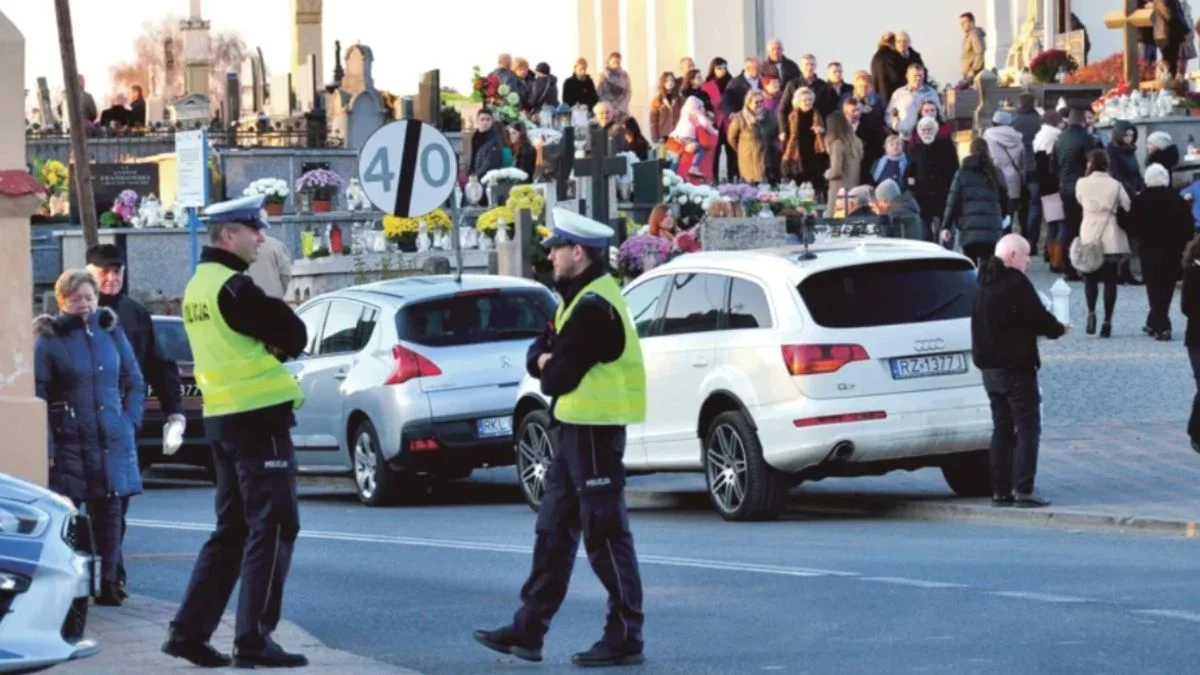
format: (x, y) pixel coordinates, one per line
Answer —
(1161, 140)
(1002, 118)
(543, 68)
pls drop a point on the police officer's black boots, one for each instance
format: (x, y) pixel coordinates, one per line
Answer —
(195, 652)
(604, 655)
(506, 641)
(270, 655)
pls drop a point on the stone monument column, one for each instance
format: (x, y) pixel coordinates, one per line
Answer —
(307, 37)
(195, 51)
(22, 415)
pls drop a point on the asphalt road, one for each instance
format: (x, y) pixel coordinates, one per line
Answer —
(802, 595)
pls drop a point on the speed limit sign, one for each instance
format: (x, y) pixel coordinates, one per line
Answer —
(407, 168)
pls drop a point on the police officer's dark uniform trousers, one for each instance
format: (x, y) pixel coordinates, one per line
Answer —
(585, 483)
(248, 406)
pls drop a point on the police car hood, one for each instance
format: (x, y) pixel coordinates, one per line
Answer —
(16, 490)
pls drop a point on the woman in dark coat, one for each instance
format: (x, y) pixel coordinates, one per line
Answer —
(932, 163)
(976, 205)
(1162, 222)
(86, 372)
(580, 89)
(1191, 309)
(889, 68)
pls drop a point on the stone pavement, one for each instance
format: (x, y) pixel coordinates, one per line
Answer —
(130, 636)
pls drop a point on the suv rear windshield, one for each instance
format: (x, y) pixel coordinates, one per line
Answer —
(886, 294)
(473, 318)
(173, 341)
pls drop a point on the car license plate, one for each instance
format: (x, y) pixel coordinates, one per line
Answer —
(185, 391)
(932, 365)
(493, 427)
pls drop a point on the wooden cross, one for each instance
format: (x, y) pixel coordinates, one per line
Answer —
(1129, 20)
(564, 164)
(600, 167)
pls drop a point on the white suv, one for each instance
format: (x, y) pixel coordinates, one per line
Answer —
(771, 367)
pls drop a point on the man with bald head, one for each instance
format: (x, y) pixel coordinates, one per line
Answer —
(779, 66)
(1006, 322)
(904, 46)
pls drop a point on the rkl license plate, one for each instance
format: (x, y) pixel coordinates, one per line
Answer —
(493, 427)
(933, 365)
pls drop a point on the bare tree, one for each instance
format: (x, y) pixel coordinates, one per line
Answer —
(149, 67)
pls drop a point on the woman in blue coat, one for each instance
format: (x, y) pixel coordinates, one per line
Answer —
(86, 372)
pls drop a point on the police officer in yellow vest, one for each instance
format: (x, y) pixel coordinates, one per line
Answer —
(238, 335)
(590, 362)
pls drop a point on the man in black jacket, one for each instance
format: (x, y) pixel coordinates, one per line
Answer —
(106, 262)
(1006, 322)
(779, 66)
(1070, 163)
(589, 361)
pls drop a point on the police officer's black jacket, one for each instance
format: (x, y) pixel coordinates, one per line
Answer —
(160, 372)
(593, 334)
(251, 312)
(1007, 319)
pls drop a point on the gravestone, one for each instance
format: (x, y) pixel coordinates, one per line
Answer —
(109, 180)
(358, 103)
(742, 234)
(599, 167)
(250, 98)
(647, 188)
(564, 164)
(191, 111)
(512, 257)
(306, 85)
(46, 114)
(280, 103)
(155, 111)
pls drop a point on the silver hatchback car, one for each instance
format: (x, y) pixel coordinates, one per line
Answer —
(414, 378)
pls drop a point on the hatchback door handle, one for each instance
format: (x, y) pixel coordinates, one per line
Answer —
(341, 374)
(700, 362)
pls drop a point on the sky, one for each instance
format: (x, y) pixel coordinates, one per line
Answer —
(456, 36)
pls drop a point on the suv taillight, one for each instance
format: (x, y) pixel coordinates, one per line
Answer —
(817, 359)
(409, 366)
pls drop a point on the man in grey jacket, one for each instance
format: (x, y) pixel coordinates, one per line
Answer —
(972, 51)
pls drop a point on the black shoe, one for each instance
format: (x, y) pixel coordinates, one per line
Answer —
(1149, 332)
(1195, 446)
(270, 655)
(1106, 329)
(1031, 500)
(506, 641)
(603, 655)
(110, 595)
(1163, 336)
(1002, 500)
(1090, 328)
(197, 653)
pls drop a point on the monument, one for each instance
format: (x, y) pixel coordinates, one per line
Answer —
(306, 42)
(194, 108)
(22, 414)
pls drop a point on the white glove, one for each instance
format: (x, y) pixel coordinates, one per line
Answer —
(173, 434)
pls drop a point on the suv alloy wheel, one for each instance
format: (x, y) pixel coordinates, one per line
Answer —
(741, 485)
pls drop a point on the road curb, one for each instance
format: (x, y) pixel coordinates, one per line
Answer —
(909, 509)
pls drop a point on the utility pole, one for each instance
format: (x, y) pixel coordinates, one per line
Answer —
(81, 173)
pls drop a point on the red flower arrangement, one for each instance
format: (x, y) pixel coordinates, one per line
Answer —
(485, 89)
(1109, 71)
(1045, 65)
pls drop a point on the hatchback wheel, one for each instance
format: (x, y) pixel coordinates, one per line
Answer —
(535, 450)
(374, 480)
(969, 473)
(741, 485)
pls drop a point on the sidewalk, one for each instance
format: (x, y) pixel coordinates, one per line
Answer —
(130, 636)
(1108, 476)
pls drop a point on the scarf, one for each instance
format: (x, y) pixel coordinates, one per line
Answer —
(792, 161)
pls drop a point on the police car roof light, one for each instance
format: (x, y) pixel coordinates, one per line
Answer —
(410, 366)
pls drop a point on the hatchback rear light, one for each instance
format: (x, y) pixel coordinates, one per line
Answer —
(409, 366)
(422, 444)
(816, 359)
(840, 419)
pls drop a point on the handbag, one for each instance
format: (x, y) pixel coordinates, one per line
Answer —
(1052, 208)
(1087, 257)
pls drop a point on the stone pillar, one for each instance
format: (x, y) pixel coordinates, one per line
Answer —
(22, 415)
(998, 25)
(607, 27)
(634, 39)
(721, 28)
(667, 43)
(1050, 24)
(589, 46)
(307, 36)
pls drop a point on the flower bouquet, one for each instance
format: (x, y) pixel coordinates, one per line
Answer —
(499, 182)
(323, 184)
(1046, 66)
(274, 189)
(489, 222)
(640, 254)
(404, 231)
(54, 175)
(123, 211)
(693, 201)
(526, 197)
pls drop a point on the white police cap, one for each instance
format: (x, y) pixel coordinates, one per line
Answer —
(572, 228)
(246, 210)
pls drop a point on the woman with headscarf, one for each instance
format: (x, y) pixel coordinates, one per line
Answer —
(804, 156)
(752, 135)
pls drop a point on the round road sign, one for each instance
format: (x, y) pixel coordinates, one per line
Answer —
(407, 168)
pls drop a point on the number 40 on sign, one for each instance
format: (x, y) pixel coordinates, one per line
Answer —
(407, 168)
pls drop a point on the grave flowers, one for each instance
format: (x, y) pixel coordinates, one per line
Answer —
(274, 189)
(123, 211)
(323, 185)
(640, 254)
(54, 175)
(404, 231)
(500, 181)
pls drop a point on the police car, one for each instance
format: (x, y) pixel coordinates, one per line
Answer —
(768, 368)
(45, 579)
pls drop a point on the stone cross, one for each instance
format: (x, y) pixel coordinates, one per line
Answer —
(564, 164)
(1128, 20)
(512, 257)
(600, 168)
(45, 107)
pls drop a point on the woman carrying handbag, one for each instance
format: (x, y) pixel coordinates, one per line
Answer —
(1101, 244)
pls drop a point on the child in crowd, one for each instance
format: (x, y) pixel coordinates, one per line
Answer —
(892, 165)
(689, 144)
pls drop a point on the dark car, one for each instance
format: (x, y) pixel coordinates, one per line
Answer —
(173, 341)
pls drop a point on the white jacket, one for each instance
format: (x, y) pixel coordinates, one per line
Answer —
(1007, 149)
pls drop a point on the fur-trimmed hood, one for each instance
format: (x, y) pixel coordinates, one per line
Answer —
(61, 324)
